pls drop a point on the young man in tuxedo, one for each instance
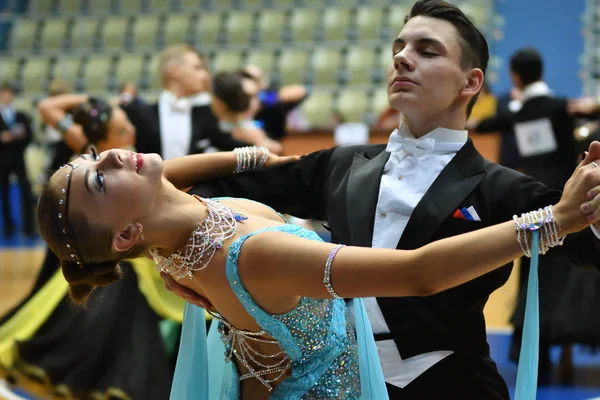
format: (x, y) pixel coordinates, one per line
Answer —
(15, 136)
(428, 183)
(183, 121)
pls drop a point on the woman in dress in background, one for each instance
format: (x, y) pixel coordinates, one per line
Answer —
(113, 349)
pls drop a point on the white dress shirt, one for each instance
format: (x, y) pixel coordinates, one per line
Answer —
(8, 115)
(407, 176)
(175, 116)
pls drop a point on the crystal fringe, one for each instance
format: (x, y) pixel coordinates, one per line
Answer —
(245, 354)
(219, 225)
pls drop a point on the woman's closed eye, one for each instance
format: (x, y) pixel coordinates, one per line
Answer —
(100, 180)
(99, 175)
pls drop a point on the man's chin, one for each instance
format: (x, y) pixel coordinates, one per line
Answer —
(401, 101)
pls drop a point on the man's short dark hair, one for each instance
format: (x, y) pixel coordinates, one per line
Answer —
(227, 86)
(527, 63)
(474, 47)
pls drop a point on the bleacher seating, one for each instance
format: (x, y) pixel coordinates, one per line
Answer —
(339, 48)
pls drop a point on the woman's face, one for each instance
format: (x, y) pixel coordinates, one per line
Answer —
(121, 132)
(114, 188)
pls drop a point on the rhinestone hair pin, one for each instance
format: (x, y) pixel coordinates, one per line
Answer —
(63, 216)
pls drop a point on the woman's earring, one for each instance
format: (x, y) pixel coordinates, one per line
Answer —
(142, 233)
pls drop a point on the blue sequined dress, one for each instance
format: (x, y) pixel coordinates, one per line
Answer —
(331, 356)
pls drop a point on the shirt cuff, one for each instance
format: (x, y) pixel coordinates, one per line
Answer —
(595, 231)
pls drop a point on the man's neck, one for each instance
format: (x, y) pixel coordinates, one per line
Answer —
(422, 126)
(175, 90)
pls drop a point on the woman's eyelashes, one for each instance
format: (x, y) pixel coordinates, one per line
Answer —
(99, 180)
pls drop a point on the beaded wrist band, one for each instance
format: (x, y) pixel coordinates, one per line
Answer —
(65, 123)
(248, 160)
(542, 220)
(327, 277)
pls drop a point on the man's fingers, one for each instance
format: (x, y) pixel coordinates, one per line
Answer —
(185, 293)
(594, 150)
(167, 279)
(175, 287)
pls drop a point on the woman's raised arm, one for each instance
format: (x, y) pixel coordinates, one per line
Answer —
(297, 266)
(187, 171)
(53, 111)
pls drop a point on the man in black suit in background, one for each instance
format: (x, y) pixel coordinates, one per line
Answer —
(182, 121)
(15, 135)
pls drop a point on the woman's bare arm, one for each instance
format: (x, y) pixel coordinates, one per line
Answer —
(187, 171)
(296, 266)
(53, 109)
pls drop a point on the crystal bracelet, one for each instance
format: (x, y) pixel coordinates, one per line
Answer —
(327, 277)
(247, 158)
(542, 220)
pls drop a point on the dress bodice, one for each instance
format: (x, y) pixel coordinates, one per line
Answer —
(316, 337)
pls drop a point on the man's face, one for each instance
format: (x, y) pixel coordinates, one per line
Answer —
(6, 97)
(192, 74)
(426, 77)
(257, 75)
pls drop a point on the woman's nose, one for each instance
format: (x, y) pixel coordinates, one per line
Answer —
(114, 159)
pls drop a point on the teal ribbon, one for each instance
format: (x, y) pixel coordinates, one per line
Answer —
(527, 372)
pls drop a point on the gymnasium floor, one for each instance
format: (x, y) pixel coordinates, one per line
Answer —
(21, 258)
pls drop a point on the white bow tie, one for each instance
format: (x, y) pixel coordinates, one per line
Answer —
(419, 148)
(182, 104)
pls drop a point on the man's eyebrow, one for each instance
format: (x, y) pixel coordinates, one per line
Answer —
(423, 40)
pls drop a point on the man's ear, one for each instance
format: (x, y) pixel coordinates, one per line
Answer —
(474, 83)
(128, 237)
(171, 71)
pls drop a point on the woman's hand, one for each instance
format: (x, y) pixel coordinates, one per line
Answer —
(277, 160)
(575, 211)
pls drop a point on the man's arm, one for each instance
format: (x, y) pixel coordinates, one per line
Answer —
(28, 128)
(27, 137)
(514, 193)
(500, 122)
(224, 140)
(584, 107)
(296, 188)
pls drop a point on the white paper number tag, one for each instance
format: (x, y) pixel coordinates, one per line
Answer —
(535, 137)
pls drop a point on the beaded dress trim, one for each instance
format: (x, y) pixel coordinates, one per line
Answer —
(219, 225)
(250, 357)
